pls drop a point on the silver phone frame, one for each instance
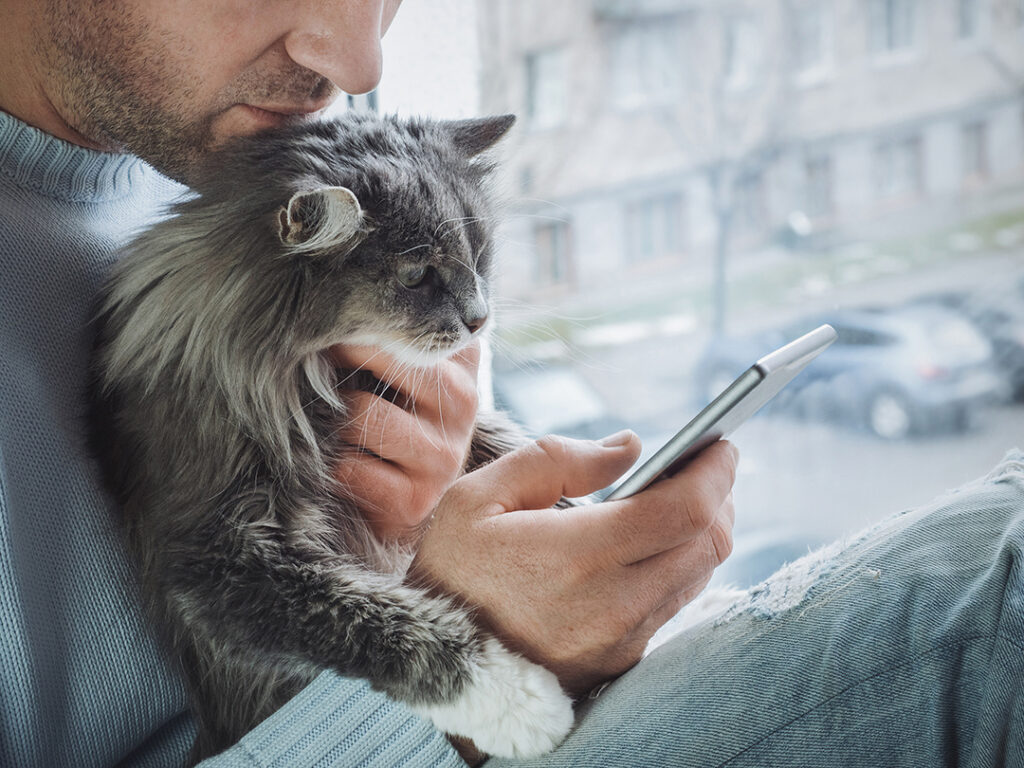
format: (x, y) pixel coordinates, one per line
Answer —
(738, 402)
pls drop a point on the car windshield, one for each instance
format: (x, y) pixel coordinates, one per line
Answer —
(689, 185)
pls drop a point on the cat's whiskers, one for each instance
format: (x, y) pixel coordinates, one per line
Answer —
(396, 370)
(463, 221)
(469, 267)
(344, 425)
(414, 248)
(440, 408)
(415, 386)
(391, 374)
(382, 350)
(419, 422)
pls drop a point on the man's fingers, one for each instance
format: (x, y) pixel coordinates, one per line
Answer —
(390, 432)
(377, 361)
(360, 472)
(446, 387)
(671, 608)
(672, 511)
(687, 568)
(540, 473)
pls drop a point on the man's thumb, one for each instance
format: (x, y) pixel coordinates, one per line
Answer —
(540, 473)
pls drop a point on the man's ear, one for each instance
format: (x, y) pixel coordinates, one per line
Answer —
(478, 134)
(319, 217)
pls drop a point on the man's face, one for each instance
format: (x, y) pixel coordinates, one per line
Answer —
(168, 80)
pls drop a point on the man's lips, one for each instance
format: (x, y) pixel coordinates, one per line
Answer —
(272, 115)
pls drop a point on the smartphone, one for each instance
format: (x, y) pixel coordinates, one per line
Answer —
(737, 403)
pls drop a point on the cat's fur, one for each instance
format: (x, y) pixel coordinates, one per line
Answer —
(216, 418)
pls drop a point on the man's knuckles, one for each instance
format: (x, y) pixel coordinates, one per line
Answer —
(699, 506)
(720, 535)
(459, 393)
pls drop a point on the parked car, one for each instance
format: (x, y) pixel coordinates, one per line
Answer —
(896, 372)
(1001, 320)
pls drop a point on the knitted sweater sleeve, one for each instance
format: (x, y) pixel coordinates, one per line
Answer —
(83, 680)
(339, 722)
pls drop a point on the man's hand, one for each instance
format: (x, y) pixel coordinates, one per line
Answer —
(407, 453)
(579, 590)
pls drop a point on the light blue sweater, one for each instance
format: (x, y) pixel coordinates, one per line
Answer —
(82, 680)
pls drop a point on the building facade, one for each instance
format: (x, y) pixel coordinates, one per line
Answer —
(658, 136)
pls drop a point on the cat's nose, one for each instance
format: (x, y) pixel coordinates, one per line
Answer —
(476, 323)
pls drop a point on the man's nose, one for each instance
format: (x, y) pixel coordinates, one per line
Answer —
(340, 40)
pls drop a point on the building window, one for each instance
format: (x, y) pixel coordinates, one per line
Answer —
(818, 187)
(654, 227)
(646, 62)
(891, 25)
(546, 88)
(551, 245)
(974, 136)
(751, 210)
(898, 169)
(968, 19)
(742, 52)
(812, 37)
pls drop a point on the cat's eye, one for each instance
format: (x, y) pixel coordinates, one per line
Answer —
(412, 275)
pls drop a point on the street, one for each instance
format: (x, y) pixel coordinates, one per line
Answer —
(826, 482)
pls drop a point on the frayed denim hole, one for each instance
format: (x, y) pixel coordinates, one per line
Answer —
(788, 587)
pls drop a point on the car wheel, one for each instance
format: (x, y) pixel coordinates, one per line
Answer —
(889, 416)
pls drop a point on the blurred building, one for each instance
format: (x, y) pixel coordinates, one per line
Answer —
(656, 136)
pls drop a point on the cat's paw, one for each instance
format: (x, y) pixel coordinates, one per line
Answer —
(510, 708)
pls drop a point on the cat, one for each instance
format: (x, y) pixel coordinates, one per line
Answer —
(215, 414)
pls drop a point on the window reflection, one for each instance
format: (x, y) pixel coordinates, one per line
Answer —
(693, 183)
(736, 172)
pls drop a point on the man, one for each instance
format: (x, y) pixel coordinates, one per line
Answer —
(86, 86)
(903, 648)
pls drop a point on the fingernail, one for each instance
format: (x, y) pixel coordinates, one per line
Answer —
(617, 440)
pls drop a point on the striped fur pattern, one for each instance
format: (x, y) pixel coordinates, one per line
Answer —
(215, 418)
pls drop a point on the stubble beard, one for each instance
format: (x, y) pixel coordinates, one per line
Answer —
(125, 88)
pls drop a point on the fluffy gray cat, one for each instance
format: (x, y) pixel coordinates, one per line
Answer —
(216, 412)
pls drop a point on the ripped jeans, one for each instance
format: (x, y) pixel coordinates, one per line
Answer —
(901, 647)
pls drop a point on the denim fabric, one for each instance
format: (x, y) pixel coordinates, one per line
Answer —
(902, 647)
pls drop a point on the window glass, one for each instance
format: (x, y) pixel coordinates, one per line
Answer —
(898, 169)
(654, 227)
(812, 37)
(706, 204)
(968, 18)
(891, 25)
(818, 192)
(551, 248)
(546, 84)
(742, 51)
(646, 61)
(975, 150)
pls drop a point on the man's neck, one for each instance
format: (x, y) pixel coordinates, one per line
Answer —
(23, 81)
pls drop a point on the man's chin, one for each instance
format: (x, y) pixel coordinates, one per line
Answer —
(247, 120)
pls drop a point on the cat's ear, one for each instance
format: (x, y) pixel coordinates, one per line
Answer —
(320, 217)
(478, 134)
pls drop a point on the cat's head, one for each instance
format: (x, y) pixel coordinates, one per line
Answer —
(390, 222)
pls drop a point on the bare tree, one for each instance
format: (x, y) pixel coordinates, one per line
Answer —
(734, 119)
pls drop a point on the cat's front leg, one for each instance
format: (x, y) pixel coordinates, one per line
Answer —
(510, 706)
(260, 596)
